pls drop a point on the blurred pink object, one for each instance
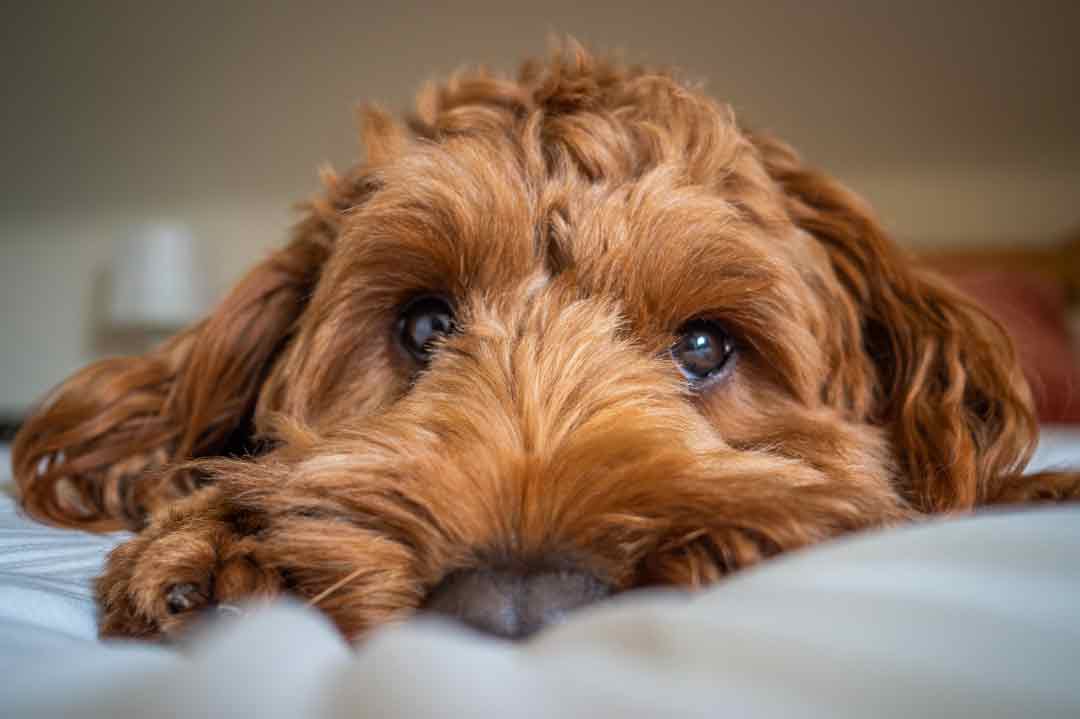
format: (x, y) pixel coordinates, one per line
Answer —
(1032, 308)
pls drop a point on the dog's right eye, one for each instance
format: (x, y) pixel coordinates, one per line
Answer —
(423, 322)
(704, 351)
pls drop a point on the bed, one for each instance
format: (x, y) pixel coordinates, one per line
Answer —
(969, 617)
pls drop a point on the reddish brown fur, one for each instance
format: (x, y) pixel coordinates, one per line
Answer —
(578, 216)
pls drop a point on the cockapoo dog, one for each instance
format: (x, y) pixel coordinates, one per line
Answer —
(556, 338)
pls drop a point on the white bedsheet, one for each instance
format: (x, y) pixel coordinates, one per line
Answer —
(974, 617)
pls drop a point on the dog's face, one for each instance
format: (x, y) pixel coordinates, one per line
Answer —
(579, 320)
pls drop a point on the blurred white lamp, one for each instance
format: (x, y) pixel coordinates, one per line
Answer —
(157, 282)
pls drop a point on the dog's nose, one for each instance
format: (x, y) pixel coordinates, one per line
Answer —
(513, 604)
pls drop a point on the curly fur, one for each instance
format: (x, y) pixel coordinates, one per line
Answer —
(578, 216)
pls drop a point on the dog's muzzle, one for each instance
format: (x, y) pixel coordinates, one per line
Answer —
(513, 604)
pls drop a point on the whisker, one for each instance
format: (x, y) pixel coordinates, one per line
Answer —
(334, 587)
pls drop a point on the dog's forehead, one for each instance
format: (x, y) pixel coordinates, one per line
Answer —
(470, 212)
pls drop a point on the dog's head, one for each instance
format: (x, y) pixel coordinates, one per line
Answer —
(581, 318)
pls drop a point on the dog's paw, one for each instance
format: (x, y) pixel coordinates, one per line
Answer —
(186, 562)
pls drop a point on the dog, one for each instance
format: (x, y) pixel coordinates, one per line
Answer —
(557, 337)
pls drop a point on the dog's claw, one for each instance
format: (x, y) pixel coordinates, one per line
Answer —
(184, 597)
(229, 610)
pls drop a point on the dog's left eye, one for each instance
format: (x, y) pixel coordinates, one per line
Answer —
(422, 323)
(704, 351)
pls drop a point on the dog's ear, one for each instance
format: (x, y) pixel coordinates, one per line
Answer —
(76, 456)
(924, 361)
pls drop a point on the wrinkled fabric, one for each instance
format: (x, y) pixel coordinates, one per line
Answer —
(967, 617)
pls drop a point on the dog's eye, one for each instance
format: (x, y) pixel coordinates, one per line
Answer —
(703, 351)
(423, 322)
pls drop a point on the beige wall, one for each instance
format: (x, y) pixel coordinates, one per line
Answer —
(957, 120)
(49, 268)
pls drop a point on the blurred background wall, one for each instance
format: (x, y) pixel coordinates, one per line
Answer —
(958, 120)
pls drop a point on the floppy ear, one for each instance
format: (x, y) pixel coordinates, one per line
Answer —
(926, 363)
(78, 455)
